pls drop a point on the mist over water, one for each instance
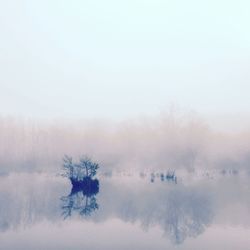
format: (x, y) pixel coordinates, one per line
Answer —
(100, 148)
(130, 213)
(170, 141)
(166, 181)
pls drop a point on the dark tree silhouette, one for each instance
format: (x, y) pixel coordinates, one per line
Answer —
(84, 188)
(80, 200)
(80, 174)
(88, 166)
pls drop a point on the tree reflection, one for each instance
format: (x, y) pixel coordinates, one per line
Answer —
(187, 214)
(81, 200)
(180, 211)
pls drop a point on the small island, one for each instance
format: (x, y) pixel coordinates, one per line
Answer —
(81, 174)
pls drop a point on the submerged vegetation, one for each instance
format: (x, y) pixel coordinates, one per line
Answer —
(169, 176)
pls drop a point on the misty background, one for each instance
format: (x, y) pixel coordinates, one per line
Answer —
(98, 78)
(154, 91)
(167, 142)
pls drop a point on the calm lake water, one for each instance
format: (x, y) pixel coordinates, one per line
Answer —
(39, 211)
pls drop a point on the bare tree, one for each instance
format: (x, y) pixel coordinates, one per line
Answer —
(68, 166)
(86, 168)
(89, 166)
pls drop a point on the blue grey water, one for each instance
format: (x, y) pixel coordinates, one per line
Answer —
(38, 211)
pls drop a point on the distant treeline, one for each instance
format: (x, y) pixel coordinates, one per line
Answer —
(166, 142)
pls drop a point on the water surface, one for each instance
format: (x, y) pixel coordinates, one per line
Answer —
(39, 211)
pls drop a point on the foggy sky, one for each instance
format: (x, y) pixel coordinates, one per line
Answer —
(117, 59)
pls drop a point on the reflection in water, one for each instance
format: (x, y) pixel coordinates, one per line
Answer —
(186, 214)
(81, 199)
(179, 210)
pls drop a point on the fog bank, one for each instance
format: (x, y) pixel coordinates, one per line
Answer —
(169, 141)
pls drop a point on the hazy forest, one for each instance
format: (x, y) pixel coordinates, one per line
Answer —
(165, 142)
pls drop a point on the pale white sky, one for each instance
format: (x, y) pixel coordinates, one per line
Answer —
(117, 59)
